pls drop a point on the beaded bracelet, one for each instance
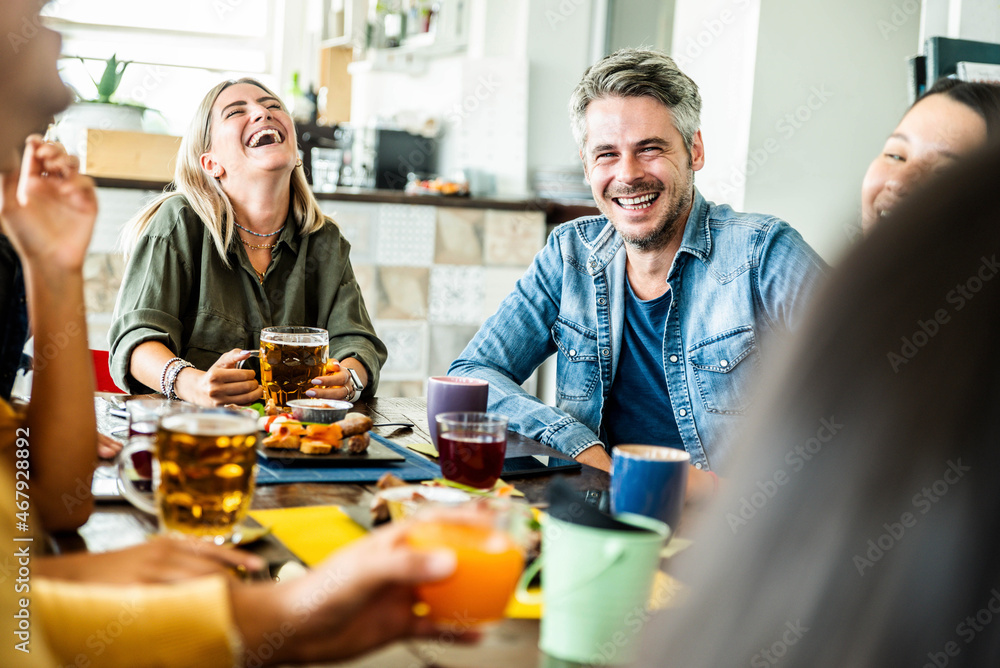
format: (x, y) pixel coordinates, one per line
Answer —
(172, 378)
(163, 376)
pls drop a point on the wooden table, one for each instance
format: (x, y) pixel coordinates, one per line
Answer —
(512, 643)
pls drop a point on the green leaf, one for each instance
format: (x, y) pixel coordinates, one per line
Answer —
(112, 78)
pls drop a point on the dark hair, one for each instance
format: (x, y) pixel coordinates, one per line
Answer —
(982, 98)
(861, 526)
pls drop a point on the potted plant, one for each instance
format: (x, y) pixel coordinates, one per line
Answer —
(100, 112)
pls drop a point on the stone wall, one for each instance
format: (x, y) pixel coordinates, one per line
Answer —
(429, 275)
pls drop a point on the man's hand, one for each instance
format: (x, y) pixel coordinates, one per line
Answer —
(107, 447)
(597, 457)
(49, 209)
(222, 384)
(701, 486)
(157, 561)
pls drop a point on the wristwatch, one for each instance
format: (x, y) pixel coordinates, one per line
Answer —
(356, 385)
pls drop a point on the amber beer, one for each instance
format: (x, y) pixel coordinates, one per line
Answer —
(206, 465)
(290, 357)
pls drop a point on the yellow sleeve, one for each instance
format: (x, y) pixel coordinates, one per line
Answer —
(185, 624)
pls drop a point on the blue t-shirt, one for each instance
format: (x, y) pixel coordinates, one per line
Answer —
(638, 407)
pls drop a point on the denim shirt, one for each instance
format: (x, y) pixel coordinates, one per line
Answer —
(738, 279)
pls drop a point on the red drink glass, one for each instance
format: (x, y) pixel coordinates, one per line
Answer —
(472, 447)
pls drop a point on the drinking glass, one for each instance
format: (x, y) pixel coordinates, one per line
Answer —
(143, 419)
(489, 538)
(204, 470)
(290, 357)
(472, 447)
(452, 394)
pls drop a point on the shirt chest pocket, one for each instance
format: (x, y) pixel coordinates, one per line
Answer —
(577, 367)
(210, 334)
(725, 370)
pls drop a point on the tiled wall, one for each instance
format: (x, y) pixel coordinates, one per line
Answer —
(430, 275)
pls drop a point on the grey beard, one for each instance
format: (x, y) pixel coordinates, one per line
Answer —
(669, 226)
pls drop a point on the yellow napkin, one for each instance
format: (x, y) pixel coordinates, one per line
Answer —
(675, 547)
(312, 533)
(424, 449)
(665, 589)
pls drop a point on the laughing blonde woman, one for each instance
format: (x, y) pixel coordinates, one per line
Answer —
(239, 245)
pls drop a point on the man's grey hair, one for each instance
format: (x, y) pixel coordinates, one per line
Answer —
(638, 73)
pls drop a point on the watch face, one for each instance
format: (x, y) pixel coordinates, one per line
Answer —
(355, 380)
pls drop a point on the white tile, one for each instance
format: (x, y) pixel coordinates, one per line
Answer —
(406, 341)
(357, 222)
(405, 235)
(115, 207)
(456, 294)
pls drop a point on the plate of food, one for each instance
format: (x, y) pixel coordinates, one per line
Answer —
(290, 442)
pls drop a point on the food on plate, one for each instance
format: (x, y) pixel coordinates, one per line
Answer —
(399, 502)
(281, 441)
(438, 186)
(357, 443)
(355, 423)
(312, 446)
(348, 435)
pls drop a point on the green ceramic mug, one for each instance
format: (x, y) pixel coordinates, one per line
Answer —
(596, 584)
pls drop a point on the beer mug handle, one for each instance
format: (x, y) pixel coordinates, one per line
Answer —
(253, 354)
(125, 484)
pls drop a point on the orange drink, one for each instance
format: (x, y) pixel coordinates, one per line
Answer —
(489, 562)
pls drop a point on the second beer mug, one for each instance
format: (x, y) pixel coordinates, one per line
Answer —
(204, 469)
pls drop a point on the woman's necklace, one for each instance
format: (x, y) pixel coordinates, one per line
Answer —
(267, 247)
(258, 234)
(258, 246)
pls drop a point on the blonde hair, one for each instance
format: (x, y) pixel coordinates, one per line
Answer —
(204, 193)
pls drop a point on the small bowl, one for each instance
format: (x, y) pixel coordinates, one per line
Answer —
(404, 501)
(324, 411)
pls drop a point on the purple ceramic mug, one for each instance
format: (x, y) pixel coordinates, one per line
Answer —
(451, 394)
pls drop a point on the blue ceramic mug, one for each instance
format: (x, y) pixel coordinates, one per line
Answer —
(649, 480)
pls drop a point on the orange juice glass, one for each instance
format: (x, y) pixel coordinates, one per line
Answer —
(489, 562)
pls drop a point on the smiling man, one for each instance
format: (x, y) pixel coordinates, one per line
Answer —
(661, 310)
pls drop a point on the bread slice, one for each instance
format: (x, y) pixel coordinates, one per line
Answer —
(279, 441)
(311, 446)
